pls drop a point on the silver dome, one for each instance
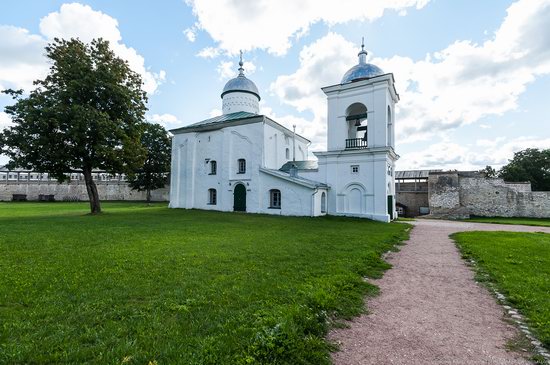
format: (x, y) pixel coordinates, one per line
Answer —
(241, 84)
(363, 70)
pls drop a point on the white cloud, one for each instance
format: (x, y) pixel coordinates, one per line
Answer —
(458, 85)
(215, 113)
(441, 155)
(190, 34)
(272, 25)
(5, 121)
(77, 20)
(209, 52)
(500, 151)
(466, 82)
(23, 53)
(448, 155)
(168, 121)
(228, 69)
(322, 63)
(22, 59)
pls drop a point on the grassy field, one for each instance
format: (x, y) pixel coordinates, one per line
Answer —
(523, 221)
(519, 265)
(147, 284)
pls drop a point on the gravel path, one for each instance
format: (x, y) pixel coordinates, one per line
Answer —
(430, 310)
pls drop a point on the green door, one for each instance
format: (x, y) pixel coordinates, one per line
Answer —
(390, 206)
(239, 198)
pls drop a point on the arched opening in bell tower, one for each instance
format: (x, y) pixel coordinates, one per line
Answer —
(356, 119)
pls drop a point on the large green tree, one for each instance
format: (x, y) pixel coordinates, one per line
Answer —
(529, 165)
(153, 173)
(86, 114)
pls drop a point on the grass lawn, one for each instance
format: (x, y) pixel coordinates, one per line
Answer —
(519, 265)
(523, 221)
(140, 284)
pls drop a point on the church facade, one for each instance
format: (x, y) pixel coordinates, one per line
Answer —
(244, 161)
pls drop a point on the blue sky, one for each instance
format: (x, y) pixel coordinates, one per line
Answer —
(473, 76)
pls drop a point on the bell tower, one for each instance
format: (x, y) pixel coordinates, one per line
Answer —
(360, 157)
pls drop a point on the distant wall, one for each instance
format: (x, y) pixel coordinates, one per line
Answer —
(413, 196)
(459, 195)
(77, 191)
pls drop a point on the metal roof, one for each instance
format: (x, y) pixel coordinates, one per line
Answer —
(414, 174)
(300, 165)
(241, 84)
(362, 70)
(295, 179)
(219, 119)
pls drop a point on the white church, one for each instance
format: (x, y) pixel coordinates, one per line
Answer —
(245, 161)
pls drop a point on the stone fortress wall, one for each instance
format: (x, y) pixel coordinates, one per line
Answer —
(459, 195)
(33, 185)
(77, 191)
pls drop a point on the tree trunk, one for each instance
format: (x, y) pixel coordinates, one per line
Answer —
(93, 195)
(148, 196)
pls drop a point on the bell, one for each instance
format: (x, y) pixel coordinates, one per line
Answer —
(357, 122)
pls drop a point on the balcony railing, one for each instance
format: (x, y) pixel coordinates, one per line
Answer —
(355, 143)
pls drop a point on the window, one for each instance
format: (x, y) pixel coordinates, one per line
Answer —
(212, 197)
(287, 154)
(354, 169)
(213, 167)
(275, 199)
(323, 202)
(242, 166)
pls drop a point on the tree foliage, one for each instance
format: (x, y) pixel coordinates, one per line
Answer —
(86, 114)
(529, 165)
(489, 171)
(154, 171)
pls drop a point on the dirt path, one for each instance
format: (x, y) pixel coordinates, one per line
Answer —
(430, 310)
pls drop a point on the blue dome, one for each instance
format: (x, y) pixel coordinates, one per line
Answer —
(240, 84)
(361, 71)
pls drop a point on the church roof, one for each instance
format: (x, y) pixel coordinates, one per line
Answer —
(295, 179)
(237, 118)
(219, 120)
(241, 84)
(300, 165)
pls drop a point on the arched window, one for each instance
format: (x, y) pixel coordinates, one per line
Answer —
(356, 118)
(275, 199)
(212, 197)
(287, 154)
(323, 202)
(213, 167)
(241, 166)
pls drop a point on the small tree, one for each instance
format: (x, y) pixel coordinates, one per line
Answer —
(529, 165)
(154, 171)
(86, 114)
(489, 171)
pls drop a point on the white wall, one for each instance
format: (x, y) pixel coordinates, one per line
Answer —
(190, 168)
(295, 199)
(276, 142)
(375, 95)
(240, 102)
